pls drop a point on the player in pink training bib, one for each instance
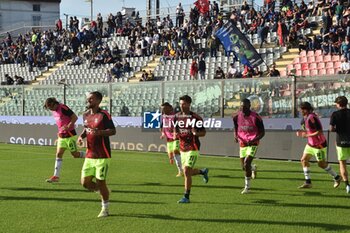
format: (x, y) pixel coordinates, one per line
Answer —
(167, 131)
(67, 136)
(249, 129)
(316, 145)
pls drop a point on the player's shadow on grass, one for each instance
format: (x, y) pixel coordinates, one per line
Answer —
(84, 190)
(207, 186)
(45, 189)
(14, 198)
(269, 202)
(323, 226)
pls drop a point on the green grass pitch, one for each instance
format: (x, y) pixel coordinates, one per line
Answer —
(145, 192)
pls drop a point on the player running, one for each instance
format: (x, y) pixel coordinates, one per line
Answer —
(188, 135)
(340, 123)
(316, 145)
(98, 126)
(249, 129)
(167, 131)
(67, 136)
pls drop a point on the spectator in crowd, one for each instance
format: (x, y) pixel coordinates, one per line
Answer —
(201, 69)
(263, 32)
(257, 73)
(9, 80)
(232, 71)
(108, 77)
(144, 76)
(18, 80)
(213, 45)
(194, 69)
(273, 72)
(219, 73)
(345, 66)
(179, 15)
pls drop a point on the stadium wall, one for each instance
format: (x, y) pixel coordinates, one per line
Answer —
(277, 144)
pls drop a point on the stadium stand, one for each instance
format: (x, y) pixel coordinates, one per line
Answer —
(170, 50)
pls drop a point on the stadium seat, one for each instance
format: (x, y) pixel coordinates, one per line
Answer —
(337, 65)
(303, 60)
(329, 65)
(321, 65)
(311, 59)
(310, 53)
(313, 72)
(304, 66)
(318, 53)
(319, 58)
(335, 58)
(327, 58)
(312, 66)
(283, 73)
(330, 71)
(306, 72)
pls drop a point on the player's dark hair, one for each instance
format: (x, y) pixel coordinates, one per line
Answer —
(186, 98)
(50, 101)
(246, 101)
(97, 94)
(306, 106)
(166, 104)
(341, 100)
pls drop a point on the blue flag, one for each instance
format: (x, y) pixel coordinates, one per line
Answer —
(234, 41)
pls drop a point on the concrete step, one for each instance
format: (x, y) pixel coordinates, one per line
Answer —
(294, 50)
(47, 73)
(289, 56)
(283, 63)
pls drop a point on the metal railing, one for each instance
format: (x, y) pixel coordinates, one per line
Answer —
(270, 97)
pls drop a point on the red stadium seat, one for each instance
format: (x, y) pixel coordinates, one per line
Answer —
(297, 66)
(330, 71)
(327, 58)
(296, 60)
(311, 59)
(312, 66)
(329, 65)
(303, 60)
(306, 72)
(321, 65)
(335, 58)
(283, 73)
(310, 53)
(337, 65)
(303, 53)
(290, 66)
(313, 72)
(318, 53)
(298, 73)
(304, 66)
(322, 72)
(319, 58)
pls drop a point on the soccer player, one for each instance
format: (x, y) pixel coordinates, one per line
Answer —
(98, 126)
(67, 136)
(189, 127)
(340, 123)
(316, 145)
(167, 131)
(249, 129)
